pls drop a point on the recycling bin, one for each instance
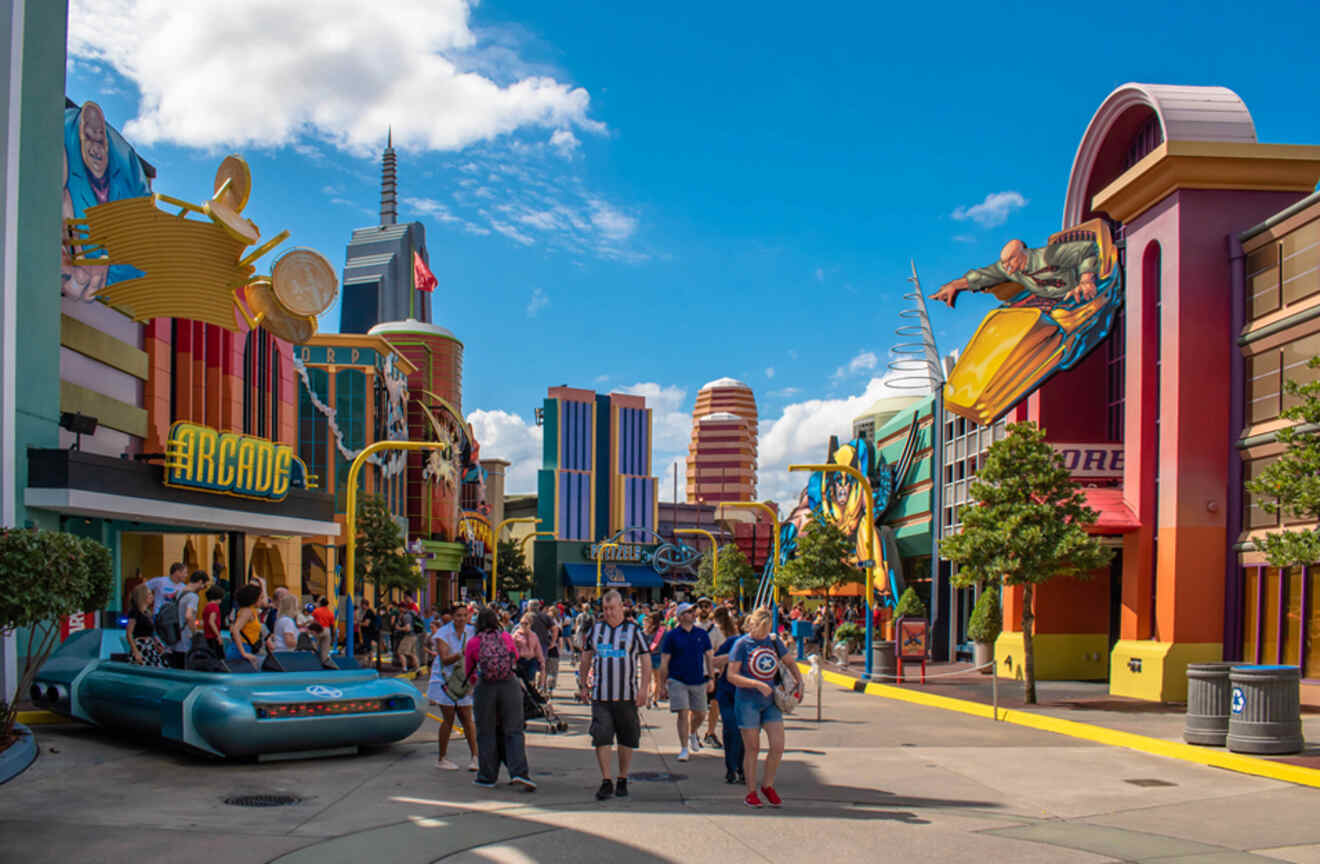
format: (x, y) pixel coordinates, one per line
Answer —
(1208, 699)
(884, 662)
(1265, 711)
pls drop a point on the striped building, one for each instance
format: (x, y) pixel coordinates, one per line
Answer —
(721, 462)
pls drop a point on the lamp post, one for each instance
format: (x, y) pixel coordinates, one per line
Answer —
(495, 563)
(533, 536)
(774, 562)
(714, 552)
(870, 542)
(600, 556)
(350, 518)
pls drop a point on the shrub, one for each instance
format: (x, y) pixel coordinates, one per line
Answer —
(910, 605)
(849, 632)
(987, 617)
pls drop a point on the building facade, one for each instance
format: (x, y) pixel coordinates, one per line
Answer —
(721, 461)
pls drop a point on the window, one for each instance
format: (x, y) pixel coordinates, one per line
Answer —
(350, 415)
(313, 428)
(1250, 613)
(1267, 371)
(1254, 516)
(1115, 381)
(1262, 286)
(1301, 263)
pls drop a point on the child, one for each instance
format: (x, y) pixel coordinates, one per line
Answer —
(211, 620)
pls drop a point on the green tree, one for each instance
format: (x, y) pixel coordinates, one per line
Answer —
(46, 575)
(381, 557)
(1291, 485)
(735, 571)
(910, 605)
(821, 563)
(1028, 526)
(514, 574)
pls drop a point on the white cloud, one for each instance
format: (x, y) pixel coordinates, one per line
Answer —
(666, 479)
(994, 210)
(769, 371)
(801, 433)
(820, 275)
(671, 417)
(865, 361)
(236, 73)
(504, 435)
(538, 302)
(600, 379)
(964, 238)
(565, 143)
(784, 392)
(611, 222)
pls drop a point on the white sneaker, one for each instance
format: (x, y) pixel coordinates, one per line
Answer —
(472, 766)
(694, 743)
(683, 755)
(446, 764)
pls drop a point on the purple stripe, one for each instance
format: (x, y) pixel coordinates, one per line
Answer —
(1282, 615)
(1259, 600)
(1303, 621)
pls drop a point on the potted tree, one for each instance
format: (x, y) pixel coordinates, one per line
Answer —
(984, 627)
(909, 605)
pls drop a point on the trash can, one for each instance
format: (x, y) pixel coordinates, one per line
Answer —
(801, 631)
(1265, 712)
(884, 663)
(1207, 704)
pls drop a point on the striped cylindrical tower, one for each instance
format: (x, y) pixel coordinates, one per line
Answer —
(721, 462)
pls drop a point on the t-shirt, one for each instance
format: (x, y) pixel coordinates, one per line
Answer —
(187, 603)
(211, 620)
(456, 643)
(472, 651)
(615, 652)
(759, 659)
(687, 654)
(164, 588)
(723, 688)
(284, 624)
(323, 616)
(403, 621)
(370, 623)
(542, 626)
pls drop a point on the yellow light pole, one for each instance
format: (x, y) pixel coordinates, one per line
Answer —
(714, 551)
(868, 502)
(533, 536)
(350, 517)
(495, 563)
(600, 556)
(774, 518)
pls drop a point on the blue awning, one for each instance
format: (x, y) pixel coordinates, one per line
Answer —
(611, 576)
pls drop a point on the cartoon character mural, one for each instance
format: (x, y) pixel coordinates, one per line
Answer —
(839, 498)
(1058, 303)
(99, 166)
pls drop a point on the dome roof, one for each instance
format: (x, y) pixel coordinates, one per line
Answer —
(721, 417)
(724, 382)
(412, 325)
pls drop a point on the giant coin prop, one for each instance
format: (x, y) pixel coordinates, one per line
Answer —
(196, 268)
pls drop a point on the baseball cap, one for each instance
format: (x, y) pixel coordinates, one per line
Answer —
(685, 607)
(703, 599)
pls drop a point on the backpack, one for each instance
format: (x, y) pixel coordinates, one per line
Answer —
(167, 623)
(417, 627)
(494, 659)
(581, 627)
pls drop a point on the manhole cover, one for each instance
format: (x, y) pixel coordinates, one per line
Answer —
(1149, 781)
(656, 777)
(262, 800)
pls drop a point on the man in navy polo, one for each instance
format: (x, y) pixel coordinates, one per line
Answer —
(685, 658)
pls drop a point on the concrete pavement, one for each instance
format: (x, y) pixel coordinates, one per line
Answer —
(878, 780)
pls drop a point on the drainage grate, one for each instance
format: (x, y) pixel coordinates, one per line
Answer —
(656, 777)
(262, 800)
(1149, 781)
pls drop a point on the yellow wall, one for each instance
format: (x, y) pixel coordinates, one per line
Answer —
(1059, 656)
(1163, 668)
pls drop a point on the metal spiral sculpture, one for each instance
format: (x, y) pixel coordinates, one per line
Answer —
(916, 359)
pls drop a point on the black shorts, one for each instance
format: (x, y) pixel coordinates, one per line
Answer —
(615, 719)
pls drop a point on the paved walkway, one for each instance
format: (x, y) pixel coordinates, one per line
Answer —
(877, 780)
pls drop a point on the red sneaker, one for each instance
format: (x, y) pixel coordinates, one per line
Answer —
(771, 796)
(752, 800)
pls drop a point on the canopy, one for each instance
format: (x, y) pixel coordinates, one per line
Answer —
(849, 589)
(611, 576)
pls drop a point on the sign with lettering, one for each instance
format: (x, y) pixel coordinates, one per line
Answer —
(913, 637)
(474, 530)
(199, 457)
(1093, 461)
(624, 552)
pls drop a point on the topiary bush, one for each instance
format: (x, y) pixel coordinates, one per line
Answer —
(987, 620)
(910, 605)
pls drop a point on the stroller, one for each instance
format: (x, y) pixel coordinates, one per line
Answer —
(537, 706)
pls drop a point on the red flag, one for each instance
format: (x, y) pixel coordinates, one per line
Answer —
(423, 278)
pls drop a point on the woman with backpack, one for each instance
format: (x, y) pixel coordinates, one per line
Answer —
(498, 698)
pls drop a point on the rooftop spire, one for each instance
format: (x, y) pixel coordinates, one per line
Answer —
(389, 213)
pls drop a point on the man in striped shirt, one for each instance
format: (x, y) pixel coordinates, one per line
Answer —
(613, 647)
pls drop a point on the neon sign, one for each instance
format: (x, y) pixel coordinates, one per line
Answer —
(199, 457)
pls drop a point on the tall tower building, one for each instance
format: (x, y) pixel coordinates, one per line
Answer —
(378, 266)
(721, 462)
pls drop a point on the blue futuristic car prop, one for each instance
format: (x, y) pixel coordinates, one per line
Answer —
(304, 711)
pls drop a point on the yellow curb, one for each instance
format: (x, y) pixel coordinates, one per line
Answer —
(1087, 732)
(37, 718)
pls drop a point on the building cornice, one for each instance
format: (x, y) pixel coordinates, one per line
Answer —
(362, 340)
(1176, 165)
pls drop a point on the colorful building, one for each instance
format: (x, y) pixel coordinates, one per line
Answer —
(721, 461)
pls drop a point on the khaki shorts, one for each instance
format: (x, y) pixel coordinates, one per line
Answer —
(407, 645)
(686, 697)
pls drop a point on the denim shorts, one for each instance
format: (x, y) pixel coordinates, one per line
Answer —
(754, 710)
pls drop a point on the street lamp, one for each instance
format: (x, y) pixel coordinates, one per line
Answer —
(495, 563)
(533, 536)
(870, 564)
(774, 562)
(714, 553)
(600, 556)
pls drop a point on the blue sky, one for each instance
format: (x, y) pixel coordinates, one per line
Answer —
(645, 197)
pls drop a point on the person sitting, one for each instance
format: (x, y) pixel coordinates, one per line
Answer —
(286, 625)
(145, 648)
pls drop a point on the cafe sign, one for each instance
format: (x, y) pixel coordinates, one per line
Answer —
(622, 553)
(227, 463)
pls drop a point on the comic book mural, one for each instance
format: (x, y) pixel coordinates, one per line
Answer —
(840, 499)
(1058, 303)
(99, 166)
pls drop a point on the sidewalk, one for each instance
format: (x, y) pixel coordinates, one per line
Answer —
(1082, 702)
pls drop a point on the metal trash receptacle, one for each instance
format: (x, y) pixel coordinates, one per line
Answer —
(1265, 711)
(884, 661)
(1208, 699)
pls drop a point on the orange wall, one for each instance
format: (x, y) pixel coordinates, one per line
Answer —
(1063, 605)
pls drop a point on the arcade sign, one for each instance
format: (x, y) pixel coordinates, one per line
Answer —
(227, 463)
(1091, 461)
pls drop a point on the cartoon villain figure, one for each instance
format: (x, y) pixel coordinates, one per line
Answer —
(1060, 271)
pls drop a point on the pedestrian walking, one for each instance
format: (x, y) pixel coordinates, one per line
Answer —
(685, 657)
(612, 650)
(724, 698)
(718, 625)
(448, 643)
(498, 700)
(754, 668)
